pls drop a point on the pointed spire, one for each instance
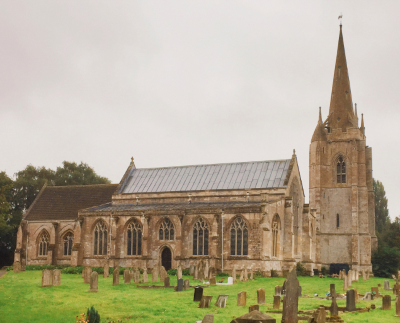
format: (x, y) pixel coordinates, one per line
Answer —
(362, 128)
(355, 111)
(341, 106)
(320, 116)
(319, 132)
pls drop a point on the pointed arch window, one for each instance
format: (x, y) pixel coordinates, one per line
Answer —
(68, 242)
(200, 238)
(43, 243)
(239, 238)
(340, 170)
(276, 227)
(167, 231)
(100, 239)
(134, 241)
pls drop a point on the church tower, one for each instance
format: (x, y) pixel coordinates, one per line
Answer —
(341, 191)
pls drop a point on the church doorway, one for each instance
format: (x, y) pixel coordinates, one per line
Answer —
(166, 258)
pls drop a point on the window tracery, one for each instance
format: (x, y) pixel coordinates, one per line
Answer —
(134, 241)
(43, 243)
(239, 237)
(100, 239)
(68, 242)
(340, 171)
(200, 238)
(166, 231)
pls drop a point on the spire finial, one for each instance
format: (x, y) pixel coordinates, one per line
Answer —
(340, 18)
(132, 162)
(320, 116)
(362, 128)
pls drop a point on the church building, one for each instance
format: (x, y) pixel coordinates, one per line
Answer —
(247, 214)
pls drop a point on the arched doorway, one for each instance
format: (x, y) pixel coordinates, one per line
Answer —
(166, 258)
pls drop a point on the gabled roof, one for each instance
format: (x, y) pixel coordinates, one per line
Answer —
(247, 175)
(63, 202)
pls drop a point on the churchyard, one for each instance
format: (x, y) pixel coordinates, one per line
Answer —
(23, 299)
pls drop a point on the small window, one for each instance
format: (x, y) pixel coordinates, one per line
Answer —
(43, 243)
(166, 231)
(341, 171)
(100, 239)
(68, 241)
(337, 221)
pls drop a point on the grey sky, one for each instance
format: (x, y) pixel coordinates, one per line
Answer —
(191, 82)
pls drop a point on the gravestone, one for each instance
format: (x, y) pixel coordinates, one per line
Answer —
(116, 276)
(375, 290)
(154, 275)
(211, 272)
(179, 272)
(234, 274)
(290, 301)
(251, 274)
(163, 273)
(332, 290)
(198, 294)
(208, 318)
(201, 271)
(166, 282)
(261, 296)
(230, 281)
(86, 276)
(136, 276)
(350, 300)
(254, 308)
(299, 292)
(205, 302)
(372, 306)
(94, 276)
(127, 276)
(368, 296)
(386, 302)
(278, 290)
(16, 267)
(191, 270)
(321, 316)
(334, 307)
(254, 317)
(196, 273)
(386, 285)
(221, 301)
(186, 285)
(364, 276)
(241, 299)
(397, 306)
(277, 302)
(213, 281)
(246, 275)
(56, 277)
(241, 279)
(106, 271)
(145, 276)
(179, 286)
(345, 283)
(356, 295)
(47, 278)
(206, 270)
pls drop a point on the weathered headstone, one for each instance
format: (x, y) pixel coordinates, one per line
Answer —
(205, 301)
(127, 276)
(255, 307)
(261, 296)
(106, 271)
(208, 318)
(241, 299)
(191, 270)
(16, 267)
(116, 276)
(201, 271)
(386, 285)
(196, 273)
(278, 290)
(145, 276)
(355, 295)
(368, 296)
(163, 273)
(211, 272)
(290, 300)
(246, 275)
(277, 302)
(321, 317)
(221, 301)
(136, 276)
(94, 276)
(350, 300)
(230, 281)
(179, 272)
(179, 286)
(213, 281)
(234, 274)
(47, 277)
(334, 307)
(254, 317)
(206, 270)
(386, 302)
(198, 294)
(241, 279)
(154, 274)
(251, 274)
(364, 276)
(397, 306)
(375, 290)
(332, 290)
(56, 277)
(166, 282)
(86, 275)
(186, 285)
(345, 283)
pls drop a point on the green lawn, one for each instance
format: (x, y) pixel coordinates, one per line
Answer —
(23, 300)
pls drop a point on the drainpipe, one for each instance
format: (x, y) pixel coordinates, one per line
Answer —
(222, 242)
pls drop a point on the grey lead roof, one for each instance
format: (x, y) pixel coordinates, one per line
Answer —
(261, 174)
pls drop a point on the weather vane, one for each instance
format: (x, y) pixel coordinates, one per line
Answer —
(340, 18)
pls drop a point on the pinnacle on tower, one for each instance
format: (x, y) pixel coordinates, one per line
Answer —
(362, 128)
(319, 132)
(341, 107)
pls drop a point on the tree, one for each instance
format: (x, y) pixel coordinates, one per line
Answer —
(73, 174)
(381, 207)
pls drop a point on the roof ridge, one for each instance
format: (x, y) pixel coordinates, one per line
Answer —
(87, 185)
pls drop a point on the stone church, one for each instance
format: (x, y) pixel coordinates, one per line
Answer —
(248, 214)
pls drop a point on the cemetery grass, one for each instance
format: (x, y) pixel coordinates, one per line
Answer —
(22, 299)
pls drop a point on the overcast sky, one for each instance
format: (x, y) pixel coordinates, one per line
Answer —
(191, 82)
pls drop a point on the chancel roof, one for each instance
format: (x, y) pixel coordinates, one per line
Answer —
(247, 175)
(63, 202)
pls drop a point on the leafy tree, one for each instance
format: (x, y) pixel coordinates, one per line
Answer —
(73, 174)
(385, 261)
(381, 207)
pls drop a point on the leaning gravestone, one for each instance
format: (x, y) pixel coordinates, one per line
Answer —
(386, 302)
(277, 302)
(350, 300)
(191, 270)
(94, 288)
(186, 285)
(368, 296)
(106, 271)
(47, 278)
(290, 301)
(179, 286)
(145, 276)
(205, 301)
(386, 285)
(127, 276)
(16, 267)
(167, 282)
(241, 299)
(261, 296)
(154, 274)
(254, 317)
(221, 301)
(116, 276)
(198, 294)
(397, 306)
(56, 277)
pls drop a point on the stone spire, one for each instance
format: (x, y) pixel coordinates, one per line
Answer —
(319, 132)
(341, 107)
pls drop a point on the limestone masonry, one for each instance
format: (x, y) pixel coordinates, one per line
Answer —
(247, 215)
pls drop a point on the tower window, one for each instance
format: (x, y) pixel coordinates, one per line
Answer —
(337, 221)
(341, 171)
